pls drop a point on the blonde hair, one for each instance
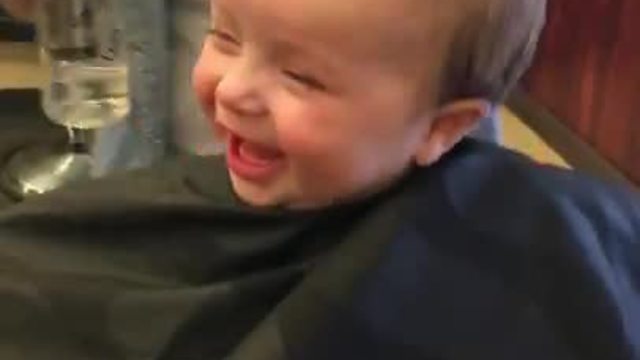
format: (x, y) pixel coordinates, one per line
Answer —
(492, 44)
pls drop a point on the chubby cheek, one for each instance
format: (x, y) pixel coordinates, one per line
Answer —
(307, 131)
(320, 145)
(328, 129)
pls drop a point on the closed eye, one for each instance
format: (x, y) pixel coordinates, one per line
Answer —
(305, 80)
(223, 36)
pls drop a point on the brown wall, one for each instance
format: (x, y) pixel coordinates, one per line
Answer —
(587, 73)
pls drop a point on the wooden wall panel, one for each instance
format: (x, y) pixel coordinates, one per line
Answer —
(587, 72)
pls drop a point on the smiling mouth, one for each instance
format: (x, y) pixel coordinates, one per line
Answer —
(251, 160)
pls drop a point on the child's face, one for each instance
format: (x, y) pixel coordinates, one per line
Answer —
(317, 100)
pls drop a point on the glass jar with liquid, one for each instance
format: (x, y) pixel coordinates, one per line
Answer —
(83, 47)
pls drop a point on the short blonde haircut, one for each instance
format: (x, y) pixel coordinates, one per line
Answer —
(492, 44)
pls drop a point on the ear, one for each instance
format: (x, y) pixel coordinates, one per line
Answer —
(451, 123)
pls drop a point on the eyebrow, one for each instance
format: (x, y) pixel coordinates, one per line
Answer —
(288, 50)
(317, 58)
(285, 47)
(215, 31)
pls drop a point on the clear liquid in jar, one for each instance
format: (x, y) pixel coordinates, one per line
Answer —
(87, 94)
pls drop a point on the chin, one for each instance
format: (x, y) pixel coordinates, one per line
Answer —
(255, 195)
(272, 196)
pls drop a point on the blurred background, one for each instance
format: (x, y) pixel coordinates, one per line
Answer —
(586, 77)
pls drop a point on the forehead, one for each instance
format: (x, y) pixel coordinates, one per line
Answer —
(364, 25)
(317, 13)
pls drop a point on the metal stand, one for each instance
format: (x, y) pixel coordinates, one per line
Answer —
(42, 168)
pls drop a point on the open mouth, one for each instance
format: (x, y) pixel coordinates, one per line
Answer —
(251, 160)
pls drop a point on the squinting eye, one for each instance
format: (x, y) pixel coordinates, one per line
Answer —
(222, 35)
(305, 80)
(224, 39)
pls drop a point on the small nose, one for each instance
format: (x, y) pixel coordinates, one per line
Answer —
(239, 90)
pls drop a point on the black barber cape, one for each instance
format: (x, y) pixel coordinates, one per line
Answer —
(483, 256)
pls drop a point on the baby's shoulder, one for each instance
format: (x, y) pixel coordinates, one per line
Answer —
(500, 192)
